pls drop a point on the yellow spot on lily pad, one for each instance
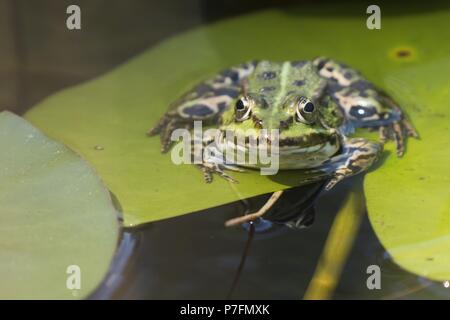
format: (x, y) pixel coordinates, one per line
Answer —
(403, 54)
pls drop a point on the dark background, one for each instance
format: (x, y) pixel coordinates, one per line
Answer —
(39, 55)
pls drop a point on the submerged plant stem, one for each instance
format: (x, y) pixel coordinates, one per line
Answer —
(337, 247)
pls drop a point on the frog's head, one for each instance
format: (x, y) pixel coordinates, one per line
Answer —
(297, 119)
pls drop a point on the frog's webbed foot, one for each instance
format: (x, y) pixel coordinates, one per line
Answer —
(209, 168)
(357, 156)
(398, 131)
(166, 126)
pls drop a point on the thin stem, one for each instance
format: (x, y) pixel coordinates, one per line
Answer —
(251, 233)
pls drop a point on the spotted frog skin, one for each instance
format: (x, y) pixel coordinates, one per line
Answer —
(314, 104)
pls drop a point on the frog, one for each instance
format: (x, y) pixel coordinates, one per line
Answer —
(316, 105)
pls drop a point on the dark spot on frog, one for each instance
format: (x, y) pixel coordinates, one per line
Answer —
(321, 64)
(363, 94)
(333, 78)
(263, 103)
(222, 106)
(203, 89)
(298, 83)
(329, 69)
(334, 86)
(226, 92)
(361, 85)
(268, 75)
(299, 63)
(421, 178)
(233, 75)
(258, 123)
(267, 89)
(348, 75)
(198, 110)
(430, 259)
(284, 124)
(403, 53)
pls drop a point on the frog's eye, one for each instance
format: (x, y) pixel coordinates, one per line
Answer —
(305, 111)
(242, 109)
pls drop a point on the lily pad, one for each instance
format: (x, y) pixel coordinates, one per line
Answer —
(408, 199)
(106, 119)
(54, 213)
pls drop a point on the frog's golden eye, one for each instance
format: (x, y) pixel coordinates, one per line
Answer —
(305, 112)
(242, 109)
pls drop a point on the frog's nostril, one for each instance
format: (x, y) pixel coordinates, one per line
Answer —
(257, 122)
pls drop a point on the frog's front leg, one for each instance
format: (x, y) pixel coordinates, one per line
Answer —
(397, 128)
(357, 156)
(205, 102)
(211, 158)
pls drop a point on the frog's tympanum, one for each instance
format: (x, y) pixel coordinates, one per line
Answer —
(315, 105)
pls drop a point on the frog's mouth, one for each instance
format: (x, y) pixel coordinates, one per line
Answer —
(292, 152)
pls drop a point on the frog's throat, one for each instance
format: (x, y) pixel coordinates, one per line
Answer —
(290, 156)
(307, 142)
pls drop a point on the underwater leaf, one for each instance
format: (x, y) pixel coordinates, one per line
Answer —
(408, 199)
(54, 213)
(106, 119)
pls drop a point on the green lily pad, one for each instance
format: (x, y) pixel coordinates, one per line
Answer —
(54, 213)
(408, 199)
(114, 111)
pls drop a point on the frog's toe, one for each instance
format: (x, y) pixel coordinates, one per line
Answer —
(207, 174)
(397, 131)
(209, 169)
(158, 127)
(399, 138)
(383, 134)
(166, 143)
(339, 176)
(232, 168)
(410, 131)
(166, 133)
(228, 178)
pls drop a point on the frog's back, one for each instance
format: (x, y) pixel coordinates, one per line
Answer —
(276, 80)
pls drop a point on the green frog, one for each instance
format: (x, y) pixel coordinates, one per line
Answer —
(313, 104)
